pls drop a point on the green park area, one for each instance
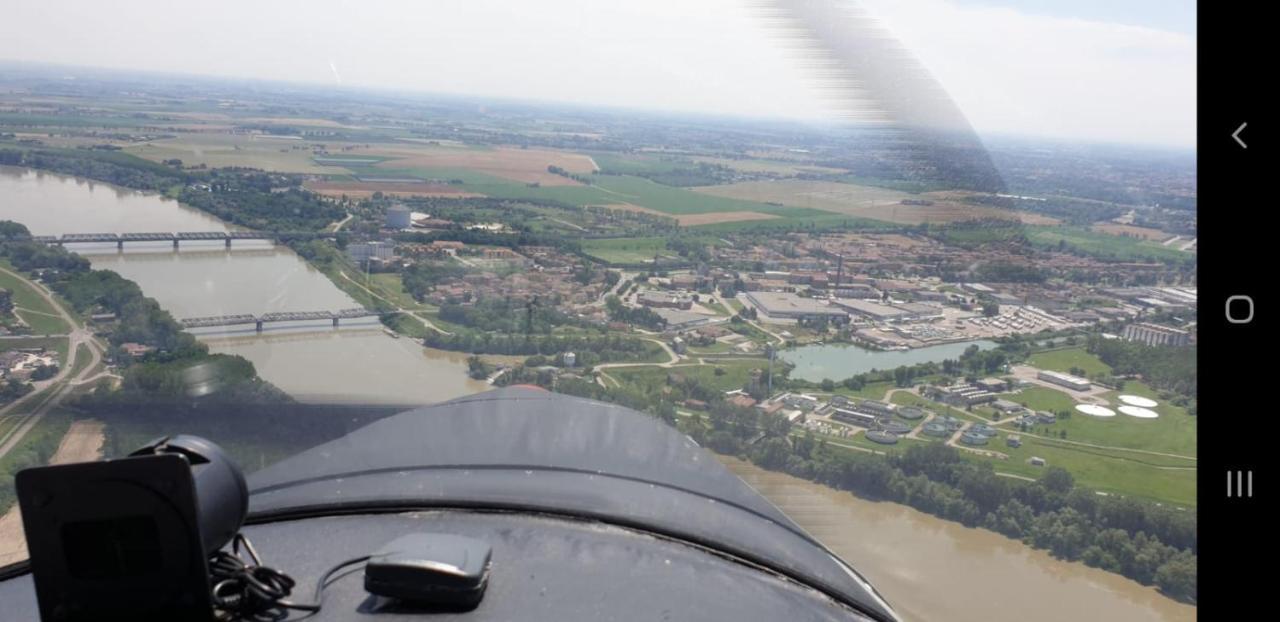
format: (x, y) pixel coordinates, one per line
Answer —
(733, 374)
(31, 306)
(1104, 245)
(1148, 458)
(625, 250)
(1065, 359)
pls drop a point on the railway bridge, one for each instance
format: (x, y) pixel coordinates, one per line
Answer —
(276, 316)
(226, 237)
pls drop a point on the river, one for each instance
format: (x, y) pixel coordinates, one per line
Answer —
(837, 362)
(357, 363)
(929, 569)
(933, 569)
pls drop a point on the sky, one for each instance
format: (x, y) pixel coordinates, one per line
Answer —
(1116, 71)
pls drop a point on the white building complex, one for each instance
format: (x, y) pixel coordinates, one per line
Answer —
(1074, 383)
(1156, 335)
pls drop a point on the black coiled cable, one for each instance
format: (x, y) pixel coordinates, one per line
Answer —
(247, 590)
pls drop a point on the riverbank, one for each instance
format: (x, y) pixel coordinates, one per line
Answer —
(933, 569)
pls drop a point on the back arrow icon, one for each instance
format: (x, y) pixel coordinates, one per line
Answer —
(1236, 135)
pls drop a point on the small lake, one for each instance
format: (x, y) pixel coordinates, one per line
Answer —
(839, 361)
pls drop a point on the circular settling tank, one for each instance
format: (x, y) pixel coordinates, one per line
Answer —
(1094, 410)
(1139, 412)
(1139, 401)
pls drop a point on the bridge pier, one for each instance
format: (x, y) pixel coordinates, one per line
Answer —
(258, 325)
(335, 322)
(175, 243)
(120, 245)
(228, 240)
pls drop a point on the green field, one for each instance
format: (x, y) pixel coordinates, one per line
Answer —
(625, 250)
(615, 164)
(31, 306)
(1063, 360)
(1114, 469)
(736, 374)
(677, 201)
(389, 285)
(1104, 245)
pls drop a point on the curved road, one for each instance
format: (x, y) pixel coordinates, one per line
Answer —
(78, 336)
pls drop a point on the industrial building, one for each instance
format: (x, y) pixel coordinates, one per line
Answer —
(361, 252)
(961, 395)
(1156, 335)
(1074, 383)
(791, 306)
(873, 310)
(852, 416)
(871, 407)
(993, 385)
(678, 319)
(399, 217)
(665, 300)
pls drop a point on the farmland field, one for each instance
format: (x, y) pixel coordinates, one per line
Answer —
(518, 165)
(861, 201)
(215, 150)
(1105, 245)
(1131, 231)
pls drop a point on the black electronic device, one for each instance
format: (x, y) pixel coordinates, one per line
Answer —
(430, 569)
(115, 540)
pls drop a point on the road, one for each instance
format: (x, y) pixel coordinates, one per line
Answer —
(337, 226)
(674, 358)
(58, 385)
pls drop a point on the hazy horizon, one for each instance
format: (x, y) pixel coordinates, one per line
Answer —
(1076, 79)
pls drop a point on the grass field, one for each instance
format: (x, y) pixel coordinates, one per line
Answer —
(390, 286)
(736, 374)
(859, 201)
(217, 150)
(625, 250)
(31, 306)
(1104, 245)
(1115, 469)
(1063, 360)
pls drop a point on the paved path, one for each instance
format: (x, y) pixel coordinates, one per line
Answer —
(399, 309)
(670, 353)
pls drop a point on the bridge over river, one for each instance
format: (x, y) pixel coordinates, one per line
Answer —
(176, 238)
(278, 316)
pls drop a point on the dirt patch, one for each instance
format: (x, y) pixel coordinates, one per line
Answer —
(522, 165)
(1131, 231)
(356, 189)
(82, 443)
(693, 220)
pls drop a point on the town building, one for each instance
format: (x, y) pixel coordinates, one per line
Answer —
(1156, 335)
(665, 300)
(361, 252)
